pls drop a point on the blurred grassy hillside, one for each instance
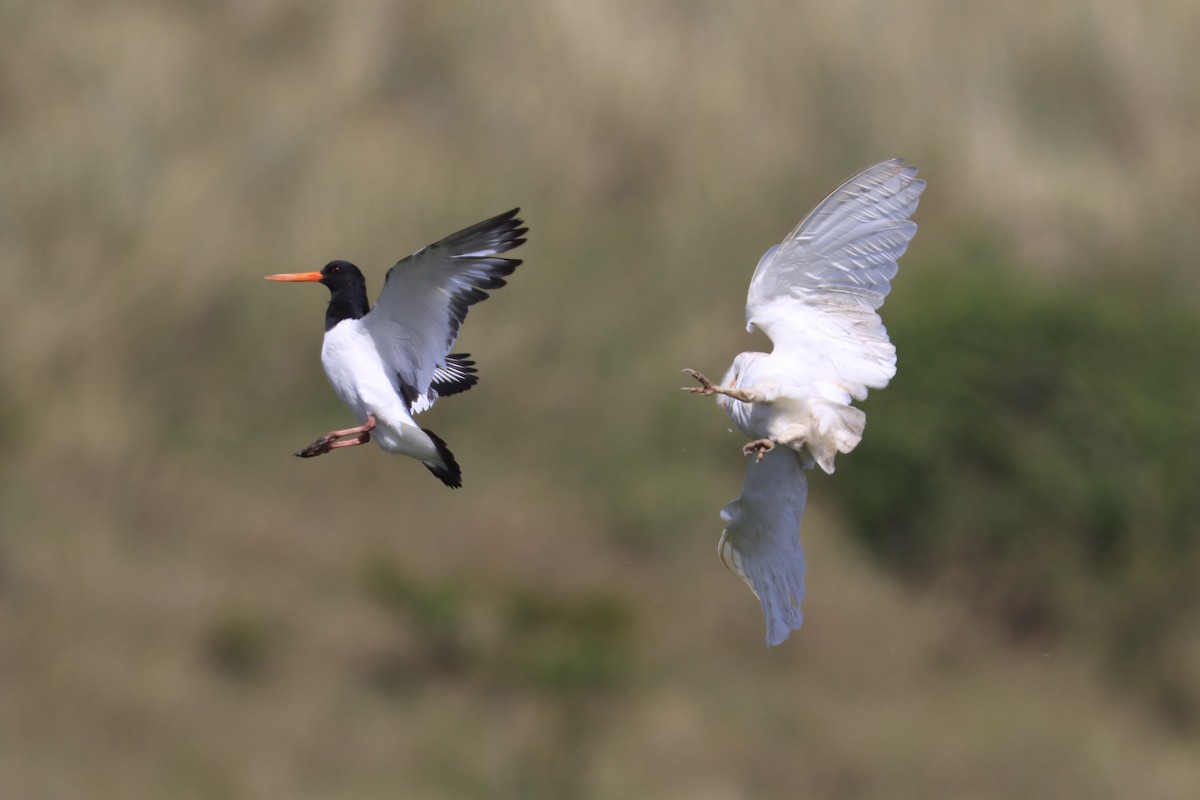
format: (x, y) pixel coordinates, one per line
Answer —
(187, 611)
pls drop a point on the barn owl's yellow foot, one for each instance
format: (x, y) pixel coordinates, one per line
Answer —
(758, 448)
(707, 387)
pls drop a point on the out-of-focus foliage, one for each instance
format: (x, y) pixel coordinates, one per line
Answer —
(1037, 452)
(515, 637)
(568, 655)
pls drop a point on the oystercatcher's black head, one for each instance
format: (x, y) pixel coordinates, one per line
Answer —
(347, 290)
(342, 276)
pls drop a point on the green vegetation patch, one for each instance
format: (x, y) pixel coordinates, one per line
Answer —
(1038, 452)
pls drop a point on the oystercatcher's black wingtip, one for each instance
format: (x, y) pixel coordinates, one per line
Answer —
(453, 479)
(448, 472)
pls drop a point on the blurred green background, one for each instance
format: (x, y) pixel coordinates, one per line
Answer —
(1003, 593)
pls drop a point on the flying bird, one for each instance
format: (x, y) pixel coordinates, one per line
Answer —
(816, 296)
(392, 361)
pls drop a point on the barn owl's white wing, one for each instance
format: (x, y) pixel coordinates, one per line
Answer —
(816, 294)
(761, 542)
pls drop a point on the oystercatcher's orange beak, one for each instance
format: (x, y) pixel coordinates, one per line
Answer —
(295, 276)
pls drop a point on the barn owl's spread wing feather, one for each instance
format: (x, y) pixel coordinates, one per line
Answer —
(761, 542)
(816, 294)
